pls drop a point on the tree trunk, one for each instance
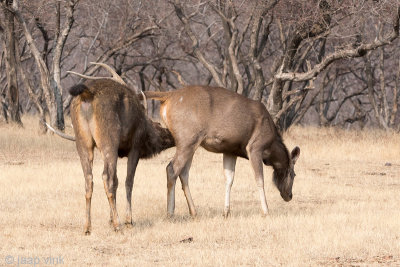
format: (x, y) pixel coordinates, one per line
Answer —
(56, 79)
(371, 93)
(60, 40)
(44, 72)
(34, 96)
(11, 66)
(395, 98)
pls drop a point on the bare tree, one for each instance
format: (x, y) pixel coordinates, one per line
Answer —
(308, 37)
(51, 84)
(305, 60)
(3, 87)
(114, 35)
(378, 94)
(227, 71)
(61, 36)
(336, 93)
(9, 47)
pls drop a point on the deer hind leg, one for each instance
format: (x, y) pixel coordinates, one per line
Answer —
(87, 163)
(184, 177)
(257, 165)
(110, 185)
(174, 169)
(229, 172)
(133, 160)
(114, 187)
(85, 146)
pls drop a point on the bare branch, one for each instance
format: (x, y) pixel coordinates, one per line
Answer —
(195, 43)
(345, 53)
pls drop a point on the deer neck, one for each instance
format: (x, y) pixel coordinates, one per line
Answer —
(155, 139)
(280, 156)
(164, 136)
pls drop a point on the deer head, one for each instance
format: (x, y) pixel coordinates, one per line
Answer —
(283, 177)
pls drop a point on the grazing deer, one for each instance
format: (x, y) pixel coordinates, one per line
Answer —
(106, 114)
(222, 121)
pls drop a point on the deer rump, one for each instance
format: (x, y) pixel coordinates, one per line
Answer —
(109, 115)
(222, 121)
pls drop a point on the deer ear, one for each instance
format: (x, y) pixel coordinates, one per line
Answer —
(295, 154)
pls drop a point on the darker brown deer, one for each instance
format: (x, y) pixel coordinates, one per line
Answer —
(222, 121)
(107, 114)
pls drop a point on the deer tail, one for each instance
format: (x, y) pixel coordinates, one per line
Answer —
(78, 89)
(161, 96)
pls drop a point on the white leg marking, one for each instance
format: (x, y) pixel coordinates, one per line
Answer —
(264, 205)
(229, 172)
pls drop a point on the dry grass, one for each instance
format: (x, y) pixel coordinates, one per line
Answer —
(345, 209)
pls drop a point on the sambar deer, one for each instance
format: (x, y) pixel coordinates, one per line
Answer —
(107, 114)
(222, 121)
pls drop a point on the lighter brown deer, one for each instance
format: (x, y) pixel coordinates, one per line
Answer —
(222, 121)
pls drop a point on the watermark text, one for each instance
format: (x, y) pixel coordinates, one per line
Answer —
(30, 260)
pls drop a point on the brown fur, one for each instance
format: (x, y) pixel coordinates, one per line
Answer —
(222, 121)
(108, 115)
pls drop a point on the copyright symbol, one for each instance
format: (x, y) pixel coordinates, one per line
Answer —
(9, 259)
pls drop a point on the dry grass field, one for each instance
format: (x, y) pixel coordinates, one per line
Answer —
(345, 209)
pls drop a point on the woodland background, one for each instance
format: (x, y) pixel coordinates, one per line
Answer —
(318, 62)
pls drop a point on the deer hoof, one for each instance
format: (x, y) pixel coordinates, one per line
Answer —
(170, 216)
(128, 224)
(227, 213)
(87, 229)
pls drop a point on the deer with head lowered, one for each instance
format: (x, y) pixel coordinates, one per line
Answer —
(107, 114)
(222, 121)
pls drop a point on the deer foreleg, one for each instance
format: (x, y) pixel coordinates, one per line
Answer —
(257, 164)
(174, 169)
(229, 172)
